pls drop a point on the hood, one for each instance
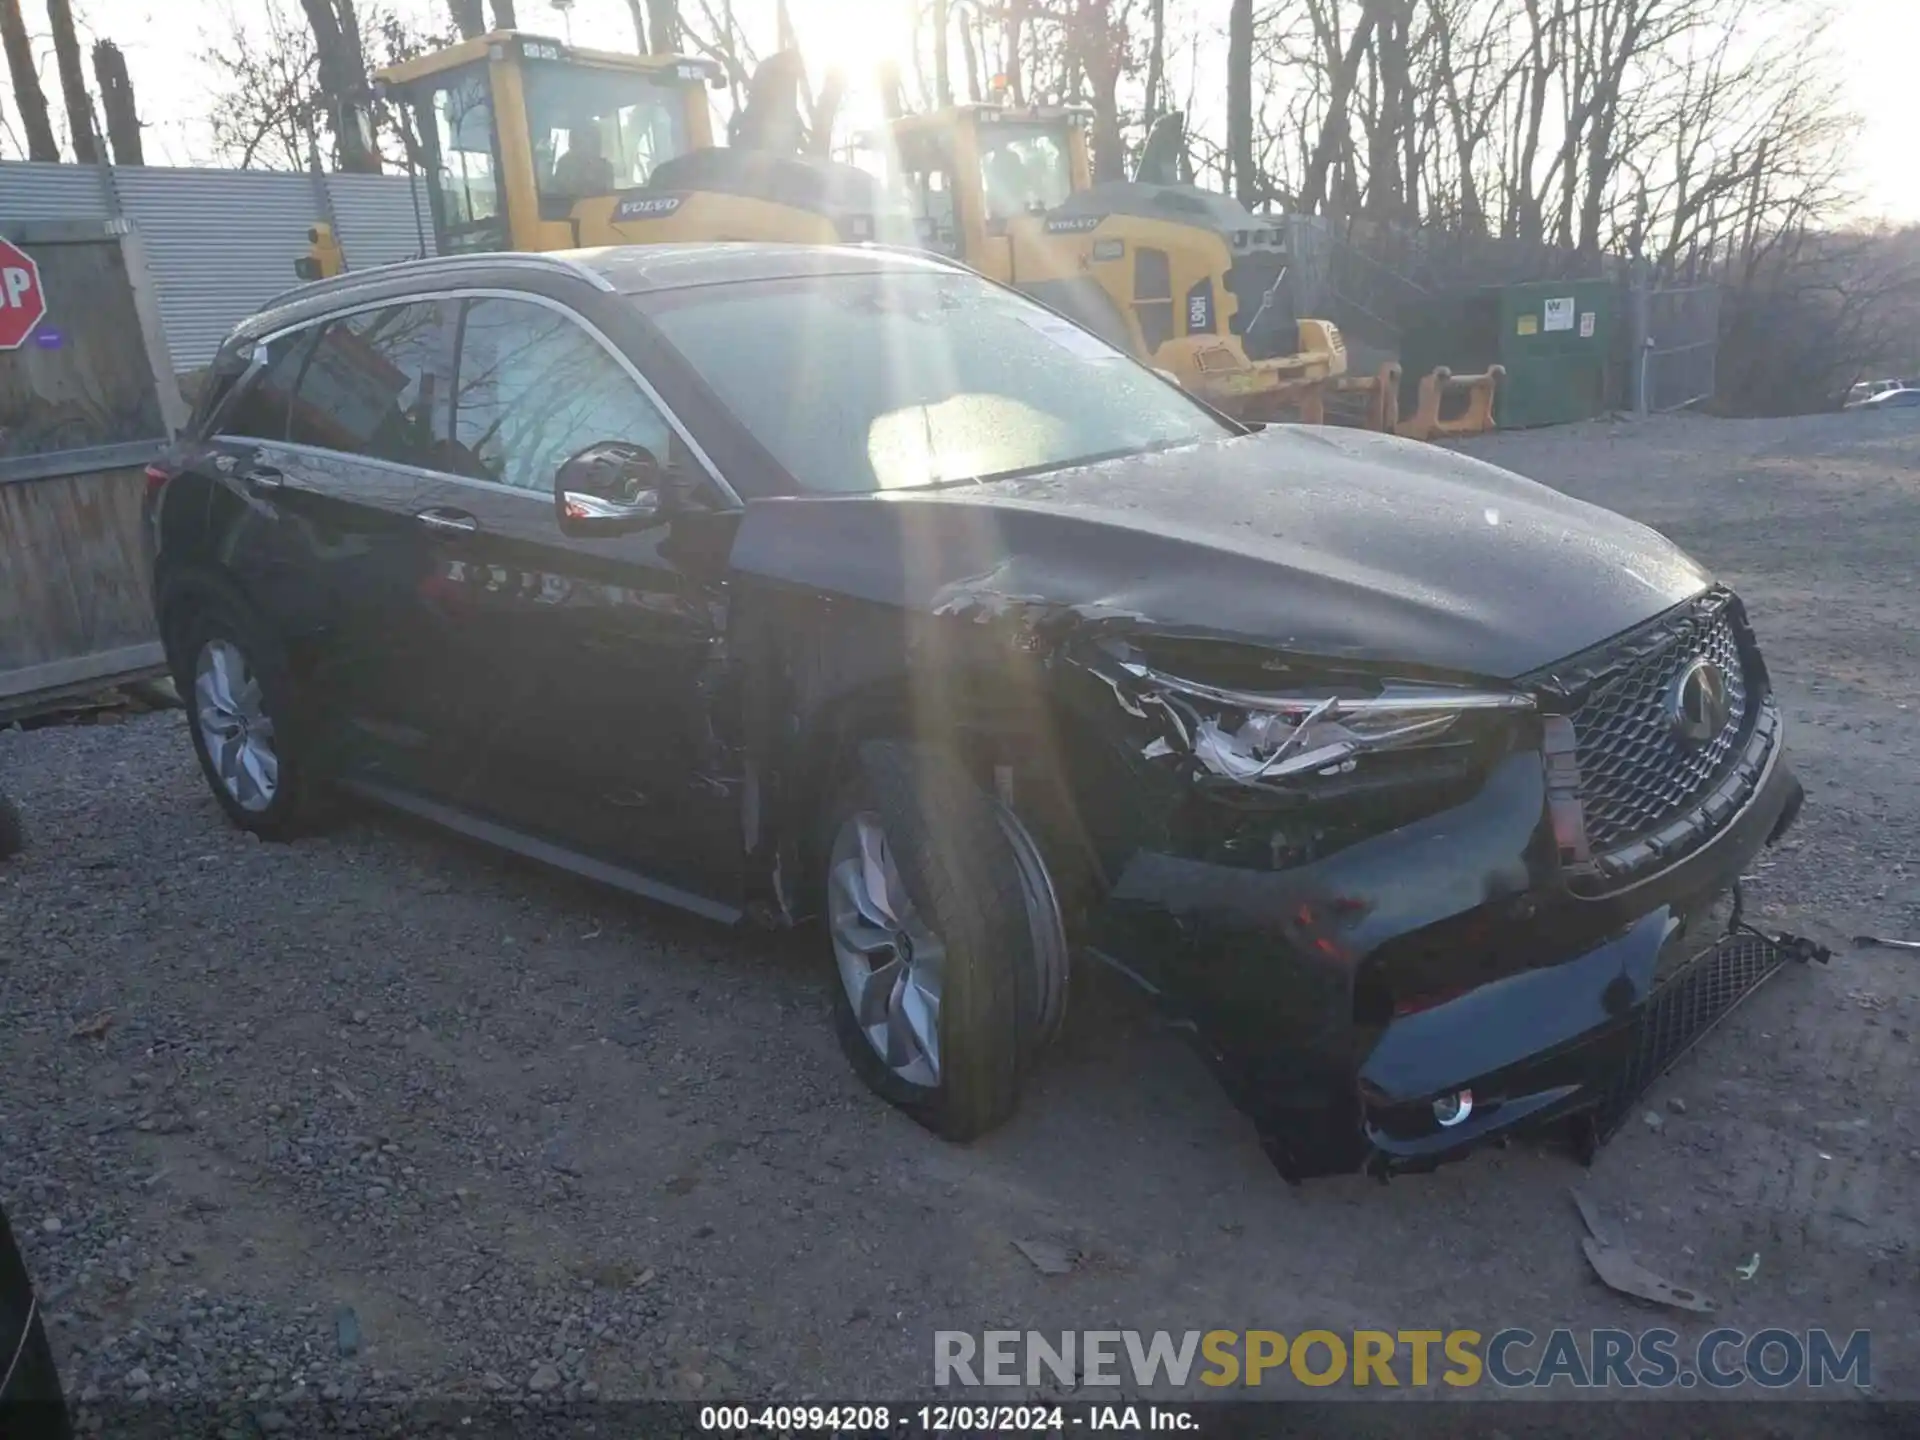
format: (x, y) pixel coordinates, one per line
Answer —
(1320, 542)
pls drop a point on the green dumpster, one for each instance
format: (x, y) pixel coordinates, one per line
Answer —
(1555, 337)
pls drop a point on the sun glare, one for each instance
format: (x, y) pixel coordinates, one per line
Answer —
(856, 37)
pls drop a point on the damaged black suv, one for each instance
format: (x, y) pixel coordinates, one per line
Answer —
(842, 585)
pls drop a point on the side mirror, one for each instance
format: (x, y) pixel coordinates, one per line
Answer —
(613, 488)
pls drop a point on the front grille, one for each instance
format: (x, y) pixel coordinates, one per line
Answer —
(1681, 1011)
(1636, 773)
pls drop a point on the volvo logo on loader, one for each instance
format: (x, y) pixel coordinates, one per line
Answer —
(647, 207)
(1698, 706)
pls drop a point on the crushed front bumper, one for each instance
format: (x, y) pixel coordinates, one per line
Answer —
(1594, 1081)
(1337, 1001)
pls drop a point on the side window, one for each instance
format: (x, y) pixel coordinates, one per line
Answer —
(926, 175)
(535, 389)
(458, 126)
(380, 384)
(259, 412)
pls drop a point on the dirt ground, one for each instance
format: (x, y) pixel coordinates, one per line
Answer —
(378, 1114)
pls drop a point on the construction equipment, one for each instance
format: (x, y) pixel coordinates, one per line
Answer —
(324, 256)
(529, 144)
(1190, 281)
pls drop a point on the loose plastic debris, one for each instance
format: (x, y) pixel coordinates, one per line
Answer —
(1620, 1271)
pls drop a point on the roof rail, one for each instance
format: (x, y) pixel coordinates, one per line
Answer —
(532, 260)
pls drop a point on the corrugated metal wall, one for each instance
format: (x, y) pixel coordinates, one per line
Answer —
(222, 242)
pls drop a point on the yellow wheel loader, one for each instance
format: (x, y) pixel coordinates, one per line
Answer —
(1191, 281)
(529, 144)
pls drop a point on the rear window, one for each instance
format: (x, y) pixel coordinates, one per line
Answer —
(865, 382)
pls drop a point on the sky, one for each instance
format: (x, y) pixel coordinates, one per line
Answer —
(1875, 42)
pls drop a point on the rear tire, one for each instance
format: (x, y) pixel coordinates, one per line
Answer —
(925, 824)
(241, 711)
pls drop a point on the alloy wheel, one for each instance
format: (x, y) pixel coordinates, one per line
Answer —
(237, 730)
(890, 960)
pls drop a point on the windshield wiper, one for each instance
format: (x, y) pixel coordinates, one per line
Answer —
(1099, 457)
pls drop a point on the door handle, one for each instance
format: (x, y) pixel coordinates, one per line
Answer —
(447, 522)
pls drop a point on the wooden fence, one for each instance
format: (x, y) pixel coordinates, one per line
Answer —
(84, 406)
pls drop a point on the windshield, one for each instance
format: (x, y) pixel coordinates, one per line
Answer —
(1024, 167)
(595, 132)
(866, 382)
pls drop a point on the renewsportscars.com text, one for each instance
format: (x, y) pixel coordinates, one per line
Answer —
(1511, 1358)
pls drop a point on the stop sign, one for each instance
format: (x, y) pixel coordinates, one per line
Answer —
(23, 304)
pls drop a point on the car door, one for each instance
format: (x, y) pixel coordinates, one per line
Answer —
(324, 449)
(586, 665)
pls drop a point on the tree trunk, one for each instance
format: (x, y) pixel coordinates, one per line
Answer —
(116, 98)
(942, 82)
(343, 80)
(1333, 129)
(664, 26)
(971, 53)
(1097, 44)
(1240, 100)
(1528, 221)
(503, 16)
(73, 82)
(1016, 18)
(1473, 215)
(1156, 58)
(469, 18)
(27, 93)
(637, 13)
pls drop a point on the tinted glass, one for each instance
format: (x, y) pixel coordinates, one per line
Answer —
(260, 410)
(1024, 168)
(598, 131)
(882, 382)
(536, 389)
(379, 384)
(458, 128)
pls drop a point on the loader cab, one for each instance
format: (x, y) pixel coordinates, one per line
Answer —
(513, 131)
(968, 170)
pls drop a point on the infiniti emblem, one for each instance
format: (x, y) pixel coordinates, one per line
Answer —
(1697, 705)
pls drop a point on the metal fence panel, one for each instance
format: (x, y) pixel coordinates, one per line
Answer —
(221, 243)
(1683, 326)
(376, 220)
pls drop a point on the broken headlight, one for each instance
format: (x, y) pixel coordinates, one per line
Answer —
(1260, 736)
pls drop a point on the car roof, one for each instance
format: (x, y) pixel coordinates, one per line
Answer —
(615, 269)
(633, 269)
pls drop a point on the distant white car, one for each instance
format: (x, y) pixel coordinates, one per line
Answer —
(1907, 398)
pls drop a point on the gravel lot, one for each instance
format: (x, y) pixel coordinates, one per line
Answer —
(378, 1114)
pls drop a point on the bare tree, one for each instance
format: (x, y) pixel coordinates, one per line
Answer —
(116, 98)
(503, 16)
(664, 26)
(73, 82)
(27, 94)
(1240, 100)
(469, 18)
(1155, 100)
(343, 80)
(267, 110)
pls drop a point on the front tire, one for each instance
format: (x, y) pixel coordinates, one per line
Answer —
(240, 712)
(928, 926)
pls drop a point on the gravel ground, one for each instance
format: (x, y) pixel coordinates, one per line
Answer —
(378, 1115)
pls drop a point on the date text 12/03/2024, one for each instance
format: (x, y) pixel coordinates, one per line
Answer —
(943, 1419)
